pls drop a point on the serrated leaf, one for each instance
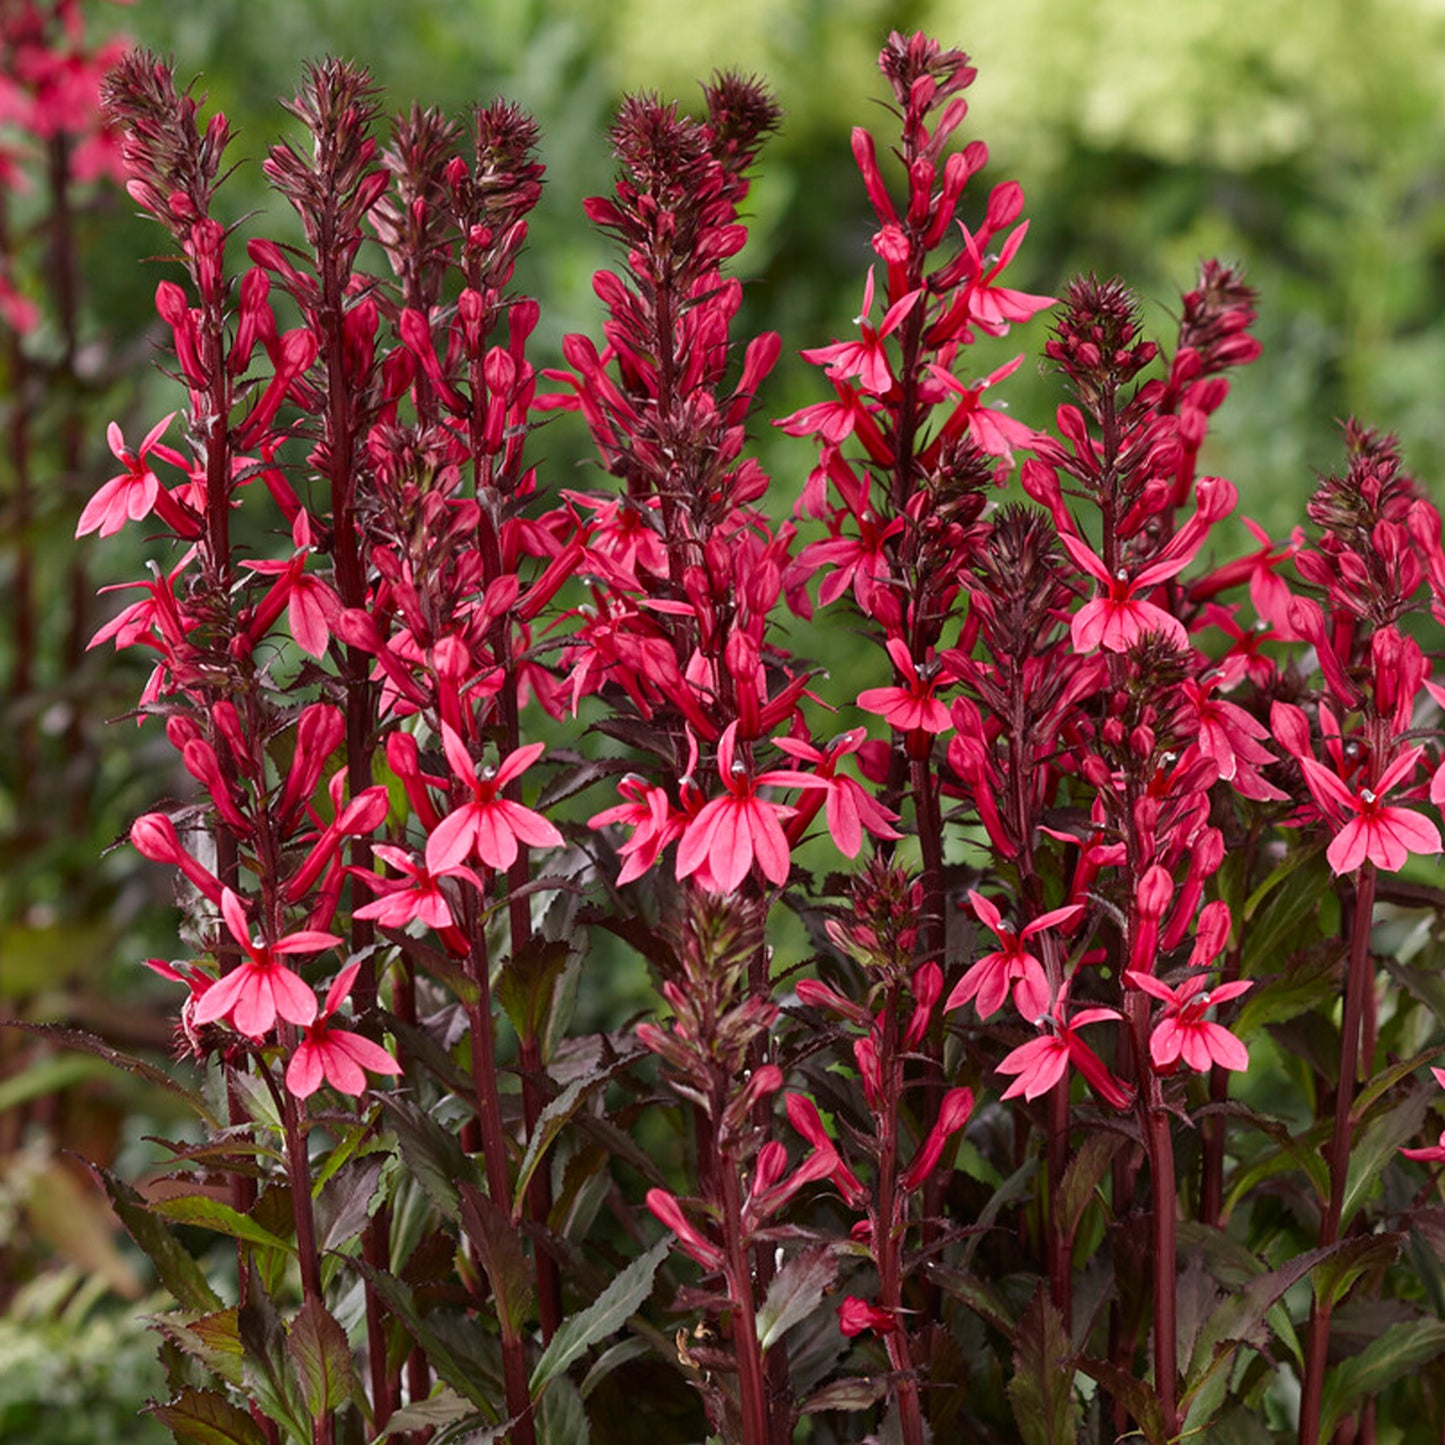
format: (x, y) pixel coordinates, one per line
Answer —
(795, 1293)
(452, 1365)
(1041, 1390)
(1310, 985)
(554, 1117)
(527, 982)
(1378, 1146)
(207, 1418)
(213, 1339)
(207, 1213)
(69, 1038)
(1348, 1260)
(1402, 1348)
(978, 1296)
(1137, 1397)
(322, 1353)
(1380, 1084)
(498, 1243)
(182, 1277)
(613, 1358)
(603, 1317)
(432, 1154)
(562, 1418)
(344, 1206)
(266, 1368)
(1082, 1177)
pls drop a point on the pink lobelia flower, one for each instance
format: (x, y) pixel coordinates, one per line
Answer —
(336, 1055)
(1118, 617)
(654, 822)
(990, 977)
(1183, 1031)
(1385, 835)
(729, 833)
(257, 992)
(867, 358)
(132, 494)
(913, 707)
(851, 807)
(1042, 1062)
(490, 826)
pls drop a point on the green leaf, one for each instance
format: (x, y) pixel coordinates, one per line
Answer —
(344, 1207)
(603, 1317)
(182, 1277)
(499, 1247)
(1381, 1083)
(562, 1418)
(213, 1339)
(1273, 925)
(322, 1354)
(1402, 1348)
(454, 1365)
(553, 1119)
(527, 982)
(1313, 983)
(1378, 1146)
(613, 1358)
(266, 1370)
(1041, 1390)
(208, 1213)
(978, 1296)
(207, 1418)
(1083, 1175)
(432, 1154)
(795, 1293)
(1348, 1260)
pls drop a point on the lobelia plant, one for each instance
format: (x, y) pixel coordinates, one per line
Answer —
(1055, 1135)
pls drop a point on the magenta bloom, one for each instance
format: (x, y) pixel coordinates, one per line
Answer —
(867, 359)
(1184, 1032)
(730, 833)
(490, 826)
(261, 990)
(1118, 617)
(989, 979)
(1385, 835)
(1042, 1062)
(857, 1315)
(132, 494)
(339, 1057)
(912, 708)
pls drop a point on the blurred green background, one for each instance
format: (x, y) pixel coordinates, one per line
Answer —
(1305, 141)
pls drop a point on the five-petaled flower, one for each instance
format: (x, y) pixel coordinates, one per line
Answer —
(730, 833)
(1042, 1062)
(867, 358)
(490, 825)
(911, 708)
(1183, 1031)
(337, 1055)
(1370, 829)
(990, 977)
(133, 493)
(260, 989)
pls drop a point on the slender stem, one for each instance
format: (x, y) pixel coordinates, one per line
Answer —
(1166, 1254)
(752, 1395)
(308, 1253)
(889, 1222)
(488, 1102)
(1357, 985)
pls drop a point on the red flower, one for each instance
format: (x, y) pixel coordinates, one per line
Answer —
(490, 826)
(991, 976)
(132, 494)
(851, 807)
(857, 1315)
(866, 359)
(730, 833)
(341, 1058)
(1385, 835)
(912, 708)
(1043, 1061)
(1184, 1032)
(253, 995)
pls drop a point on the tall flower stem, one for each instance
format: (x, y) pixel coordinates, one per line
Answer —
(751, 1392)
(1357, 986)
